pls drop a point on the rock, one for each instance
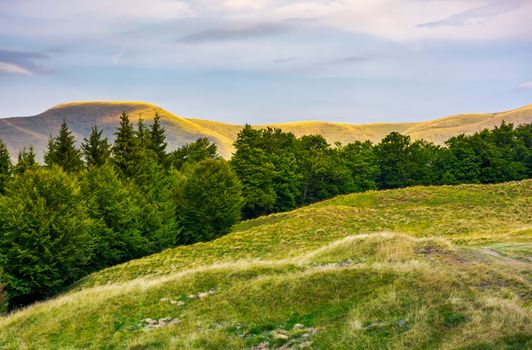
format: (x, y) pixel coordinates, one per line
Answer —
(261, 346)
(163, 300)
(191, 296)
(298, 326)
(305, 345)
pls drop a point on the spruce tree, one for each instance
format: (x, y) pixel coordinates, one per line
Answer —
(142, 135)
(5, 166)
(62, 150)
(95, 149)
(45, 234)
(26, 160)
(157, 140)
(125, 148)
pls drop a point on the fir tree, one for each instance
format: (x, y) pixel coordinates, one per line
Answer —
(25, 160)
(125, 148)
(157, 140)
(142, 134)
(62, 150)
(96, 149)
(5, 166)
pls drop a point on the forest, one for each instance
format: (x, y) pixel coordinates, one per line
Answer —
(103, 203)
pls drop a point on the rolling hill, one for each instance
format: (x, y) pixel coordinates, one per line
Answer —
(81, 116)
(418, 268)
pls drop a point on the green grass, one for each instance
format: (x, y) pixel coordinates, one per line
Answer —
(418, 268)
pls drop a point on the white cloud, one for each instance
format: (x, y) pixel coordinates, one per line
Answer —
(527, 85)
(11, 68)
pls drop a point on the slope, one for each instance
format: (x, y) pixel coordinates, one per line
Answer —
(419, 268)
(437, 131)
(81, 116)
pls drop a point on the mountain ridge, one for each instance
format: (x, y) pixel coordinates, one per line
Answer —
(18, 132)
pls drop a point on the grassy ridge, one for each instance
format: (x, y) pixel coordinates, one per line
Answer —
(419, 268)
(81, 116)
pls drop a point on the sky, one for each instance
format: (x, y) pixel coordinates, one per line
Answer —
(261, 61)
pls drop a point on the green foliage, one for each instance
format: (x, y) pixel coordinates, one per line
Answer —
(96, 149)
(5, 167)
(155, 188)
(361, 160)
(45, 234)
(157, 140)
(125, 148)
(256, 172)
(26, 160)
(3, 298)
(194, 152)
(324, 174)
(210, 200)
(502, 154)
(62, 151)
(404, 163)
(115, 212)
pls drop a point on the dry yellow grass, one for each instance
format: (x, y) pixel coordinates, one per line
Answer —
(81, 116)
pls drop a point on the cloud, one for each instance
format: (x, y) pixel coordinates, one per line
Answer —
(285, 60)
(258, 30)
(527, 85)
(18, 62)
(350, 59)
(10, 68)
(491, 9)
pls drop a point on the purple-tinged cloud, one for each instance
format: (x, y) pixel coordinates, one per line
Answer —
(491, 9)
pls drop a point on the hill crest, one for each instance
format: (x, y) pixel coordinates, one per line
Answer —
(18, 132)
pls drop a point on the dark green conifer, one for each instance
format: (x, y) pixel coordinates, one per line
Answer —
(157, 140)
(96, 150)
(5, 166)
(62, 150)
(25, 160)
(125, 148)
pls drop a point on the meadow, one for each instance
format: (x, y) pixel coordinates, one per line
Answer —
(446, 267)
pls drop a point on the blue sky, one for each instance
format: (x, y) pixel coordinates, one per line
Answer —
(262, 61)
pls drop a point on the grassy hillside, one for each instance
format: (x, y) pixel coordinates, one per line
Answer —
(81, 116)
(419, 268)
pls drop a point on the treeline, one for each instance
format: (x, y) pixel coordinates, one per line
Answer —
(280, 172)
(98, 205)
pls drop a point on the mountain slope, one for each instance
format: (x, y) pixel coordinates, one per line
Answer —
(419, 268)
(81, 116)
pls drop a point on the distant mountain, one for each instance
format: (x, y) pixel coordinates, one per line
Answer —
(81, 116)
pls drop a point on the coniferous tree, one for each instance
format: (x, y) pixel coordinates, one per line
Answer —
(45, 234)
(157, 140)
(142, 134)
(112, 206)
(125, 147)
(96, 150)
(5, 166)
(62, 150)
(26, 160)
